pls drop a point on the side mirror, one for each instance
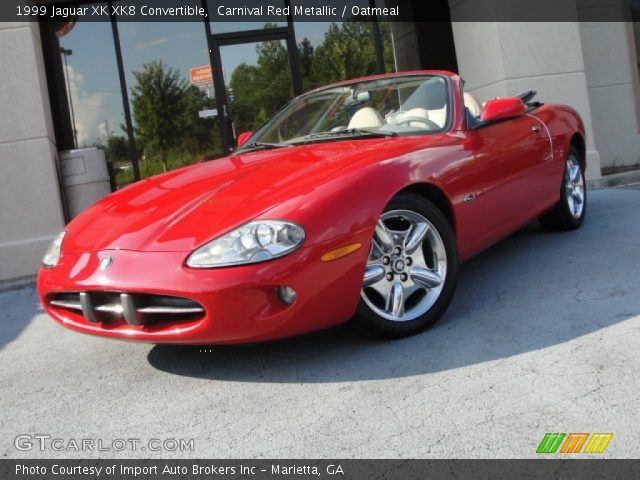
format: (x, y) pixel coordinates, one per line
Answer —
(243, 137)
(502, 108)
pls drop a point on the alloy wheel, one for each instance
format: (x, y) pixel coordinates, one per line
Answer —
(407, 266)
(574, 183)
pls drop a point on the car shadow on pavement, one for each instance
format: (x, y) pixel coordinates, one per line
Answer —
(532, 291)
(18, 307)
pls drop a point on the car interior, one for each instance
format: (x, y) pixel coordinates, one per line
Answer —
(426, 108)
(420, 105)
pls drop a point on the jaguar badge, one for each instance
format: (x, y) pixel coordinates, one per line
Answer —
(106, 262)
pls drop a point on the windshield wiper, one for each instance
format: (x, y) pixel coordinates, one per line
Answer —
(264, 146)
(352, 132)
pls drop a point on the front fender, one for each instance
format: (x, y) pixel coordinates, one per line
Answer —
(344, 209)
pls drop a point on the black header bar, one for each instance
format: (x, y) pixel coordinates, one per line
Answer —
(275, 11)
(105, 469)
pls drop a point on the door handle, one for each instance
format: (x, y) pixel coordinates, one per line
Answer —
(535, 128)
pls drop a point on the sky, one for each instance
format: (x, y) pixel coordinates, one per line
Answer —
(93, 74)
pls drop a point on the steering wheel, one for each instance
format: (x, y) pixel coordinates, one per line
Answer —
(407, 120)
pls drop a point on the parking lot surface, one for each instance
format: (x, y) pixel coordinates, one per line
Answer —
(543, 335)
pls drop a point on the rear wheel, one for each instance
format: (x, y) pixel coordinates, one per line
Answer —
(412, 269)
(569, 212)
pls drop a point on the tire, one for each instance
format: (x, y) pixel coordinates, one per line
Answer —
(569, 212)
(412, 269)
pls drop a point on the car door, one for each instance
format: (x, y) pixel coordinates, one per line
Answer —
(512, 154)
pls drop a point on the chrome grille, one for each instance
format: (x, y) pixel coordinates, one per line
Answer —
(135, 309)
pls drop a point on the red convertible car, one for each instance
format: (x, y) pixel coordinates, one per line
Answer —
(356, 200)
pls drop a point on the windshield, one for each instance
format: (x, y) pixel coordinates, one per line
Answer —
(411, 104)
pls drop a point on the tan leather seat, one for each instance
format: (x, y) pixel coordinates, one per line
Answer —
(366, 117)
(472, 104)
(438, 116)
(416, 114)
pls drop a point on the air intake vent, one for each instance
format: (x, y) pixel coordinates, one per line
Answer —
(135, 309)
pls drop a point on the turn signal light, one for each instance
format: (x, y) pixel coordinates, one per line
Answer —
(340, 252)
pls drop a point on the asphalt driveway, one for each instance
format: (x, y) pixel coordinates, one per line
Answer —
(543, 336)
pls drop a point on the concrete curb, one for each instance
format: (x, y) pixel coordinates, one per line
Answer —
(14, 283)
(614, 180)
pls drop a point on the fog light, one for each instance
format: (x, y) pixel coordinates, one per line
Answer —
(287, 295)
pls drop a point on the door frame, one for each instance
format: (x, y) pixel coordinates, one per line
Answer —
(218, 40)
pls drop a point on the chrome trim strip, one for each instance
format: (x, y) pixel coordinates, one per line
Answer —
(66, 304)
(176, 310)
(110, 308)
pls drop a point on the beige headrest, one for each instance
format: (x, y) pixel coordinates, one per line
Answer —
(472, 104)
(366, 117)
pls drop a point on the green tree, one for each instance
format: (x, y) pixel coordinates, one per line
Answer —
(198, 134)
(247, 107)
(261, 89)
(348, 51)
(387, 46)
(158, 101)
(305, 51)
(117, 149)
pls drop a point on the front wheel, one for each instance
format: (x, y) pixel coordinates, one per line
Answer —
(569, 212)
(412, 269)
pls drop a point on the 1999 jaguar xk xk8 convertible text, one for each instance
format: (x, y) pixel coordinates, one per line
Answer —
(355, 200)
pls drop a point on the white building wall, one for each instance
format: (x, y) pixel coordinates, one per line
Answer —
(499, 59)
(30, 207)
(612, 79)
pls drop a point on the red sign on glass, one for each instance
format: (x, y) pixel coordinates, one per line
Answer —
(201, 74)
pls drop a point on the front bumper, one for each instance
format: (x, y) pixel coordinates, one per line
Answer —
(240, 304)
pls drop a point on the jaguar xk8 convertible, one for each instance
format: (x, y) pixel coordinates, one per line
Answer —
(355, 201)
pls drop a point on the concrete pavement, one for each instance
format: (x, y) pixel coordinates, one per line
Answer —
(542, 336)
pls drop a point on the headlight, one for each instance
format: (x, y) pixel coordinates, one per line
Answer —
(52, 255)
(253, 242)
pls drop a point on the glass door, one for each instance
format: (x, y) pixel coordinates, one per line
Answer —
(255, 74)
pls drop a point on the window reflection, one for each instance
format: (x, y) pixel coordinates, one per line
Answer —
(170, 93)
(258, 81)
(331, 52)
(178, 126)
(93, 91)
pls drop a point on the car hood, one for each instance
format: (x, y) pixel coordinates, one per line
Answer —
(180, 210)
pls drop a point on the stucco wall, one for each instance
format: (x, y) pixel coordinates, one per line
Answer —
(31, 213)
(506, 58)
(612, 78)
